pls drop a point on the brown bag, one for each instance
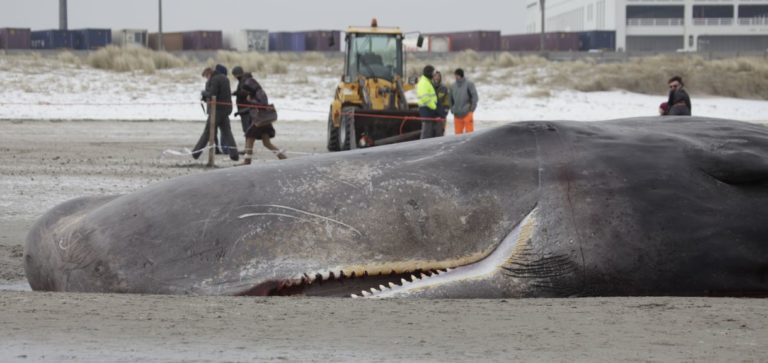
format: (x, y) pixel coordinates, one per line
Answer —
(263, 116)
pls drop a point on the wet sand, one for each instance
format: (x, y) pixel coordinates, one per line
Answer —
(44, 163)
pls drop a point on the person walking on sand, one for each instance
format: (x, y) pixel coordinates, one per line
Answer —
(254, 100)
(443, 101)
(427, 100)
(679, 102)
(207, 73)
(218, 85)
(464, 103)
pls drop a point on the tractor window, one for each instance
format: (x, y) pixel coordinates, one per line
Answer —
(374, 56)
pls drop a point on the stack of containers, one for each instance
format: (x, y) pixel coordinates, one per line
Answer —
(480, 41)
(557, 41)
(51, 39)
(323, 41)
(202, 40)
(15, 38)
(90, 39)
(287, 42)
(172, 42)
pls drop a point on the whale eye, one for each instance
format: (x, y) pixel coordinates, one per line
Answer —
(98, 269)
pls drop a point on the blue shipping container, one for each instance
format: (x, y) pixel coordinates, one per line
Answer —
(51, 39)
(88, 39)
(287, 42)
(598, 39)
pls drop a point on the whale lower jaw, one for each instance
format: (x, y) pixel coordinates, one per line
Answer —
(480, 270)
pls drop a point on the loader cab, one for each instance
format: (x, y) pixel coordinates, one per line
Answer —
(374, 55)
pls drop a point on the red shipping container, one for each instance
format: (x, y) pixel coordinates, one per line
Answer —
(557, 41)
(203, 40)
(15, 38)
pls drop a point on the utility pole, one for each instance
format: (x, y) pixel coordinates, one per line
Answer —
(541, 37)
(62, 14)
(160, 45)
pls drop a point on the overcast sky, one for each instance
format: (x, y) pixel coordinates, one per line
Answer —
(427, 16)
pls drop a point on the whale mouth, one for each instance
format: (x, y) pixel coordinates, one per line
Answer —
(342, 284)
(397, 280)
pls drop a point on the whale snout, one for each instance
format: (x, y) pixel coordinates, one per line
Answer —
(56, 247)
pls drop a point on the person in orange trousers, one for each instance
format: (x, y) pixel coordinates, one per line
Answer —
(464, 103)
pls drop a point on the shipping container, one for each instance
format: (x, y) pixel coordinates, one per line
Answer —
(410, 44)
(287, 42)
(130, 37)
(172, 42)
(89, 39)
(247, 40)
(598, 39)
(51, 39)
(557, 41)
(439, 44)
(203, 40)
(15, 38)
(320, 41)
(480, 41)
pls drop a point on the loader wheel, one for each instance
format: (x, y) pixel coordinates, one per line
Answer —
(333, 135)
(345, 132)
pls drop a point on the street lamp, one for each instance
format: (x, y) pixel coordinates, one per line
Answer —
(160, 45)
(541, 37)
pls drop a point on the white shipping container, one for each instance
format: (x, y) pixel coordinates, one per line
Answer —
(247, 40)
(439, 44)
(130, 37)
(410, 44)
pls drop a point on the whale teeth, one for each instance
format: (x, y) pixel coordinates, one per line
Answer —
(414, 278)
(354, 296)
(382, 287)
(392, 284)
(325, 275)
(424, 276)
(373, 290)
(365, 293)
(403, 281)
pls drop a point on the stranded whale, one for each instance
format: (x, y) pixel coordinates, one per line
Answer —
(649, 206)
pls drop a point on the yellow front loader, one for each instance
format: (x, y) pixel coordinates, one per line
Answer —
(369, 107)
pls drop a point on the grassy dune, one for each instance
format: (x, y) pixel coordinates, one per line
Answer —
(736, 77)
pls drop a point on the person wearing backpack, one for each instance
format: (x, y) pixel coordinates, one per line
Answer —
(251, 101)
(464, 100)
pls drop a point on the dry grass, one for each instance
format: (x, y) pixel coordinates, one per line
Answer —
(539, 93)
(68, 58)
(132, 59)
(737, 77)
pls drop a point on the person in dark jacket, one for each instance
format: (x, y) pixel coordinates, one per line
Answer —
(443, 100)
(463, 103)
(251, 99)
(219, 86)
(207, 73)
(679, 102)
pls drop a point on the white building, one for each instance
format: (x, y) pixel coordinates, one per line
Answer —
(661, 25)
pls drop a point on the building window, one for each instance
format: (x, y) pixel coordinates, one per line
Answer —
(655, 12)
(713, 11)
(753, 11)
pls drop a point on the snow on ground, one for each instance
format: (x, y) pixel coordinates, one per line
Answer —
(79, 92)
